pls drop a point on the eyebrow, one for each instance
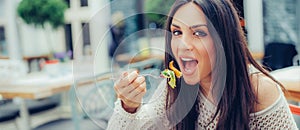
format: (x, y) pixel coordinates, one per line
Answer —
(197, 25)
(175, 25)
(191, 27)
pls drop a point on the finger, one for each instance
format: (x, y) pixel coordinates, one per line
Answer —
(137, 82)
(124, 91)
(138, 98)
(140, 95)
(129, 78)
(127, 92)
(117, 91)
(124, 73)
(120, 82)
(131, 96)
(140, 89)
(117, 87)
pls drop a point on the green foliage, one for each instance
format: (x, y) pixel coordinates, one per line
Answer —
(159, 10)
(39, 12)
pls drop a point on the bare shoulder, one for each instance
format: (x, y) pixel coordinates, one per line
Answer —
(266, 91)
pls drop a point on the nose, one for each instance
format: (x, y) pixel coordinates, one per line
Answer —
(187, 42)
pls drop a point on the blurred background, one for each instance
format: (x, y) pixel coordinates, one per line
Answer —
(89, 27)
(89, 37)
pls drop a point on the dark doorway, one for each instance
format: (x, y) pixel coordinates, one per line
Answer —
(68, 37)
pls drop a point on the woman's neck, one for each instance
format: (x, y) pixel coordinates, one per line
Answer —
(205, 85)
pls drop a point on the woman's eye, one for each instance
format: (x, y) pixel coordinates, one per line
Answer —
(176, 33)
(200, 33)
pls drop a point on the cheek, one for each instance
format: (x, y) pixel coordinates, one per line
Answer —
(209, 49)
(207, 55)
(174, 47)
(211, 53)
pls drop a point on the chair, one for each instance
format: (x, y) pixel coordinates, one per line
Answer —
(296, 60)
(295, 109)
(296, 113)
(37, 106)
(12, 69)
(92, 101)
(9, 112)
(279, 55)
(43, 111)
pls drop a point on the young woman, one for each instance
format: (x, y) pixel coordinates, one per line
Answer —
(222, 87)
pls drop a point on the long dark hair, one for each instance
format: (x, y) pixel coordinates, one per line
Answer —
(238, 98)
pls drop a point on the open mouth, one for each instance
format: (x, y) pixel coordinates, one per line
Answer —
(189, 65)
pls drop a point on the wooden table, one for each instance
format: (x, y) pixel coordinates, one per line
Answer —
(4, 57)
(33, 86)
(257, 55)
(37, 86)
(290, 78)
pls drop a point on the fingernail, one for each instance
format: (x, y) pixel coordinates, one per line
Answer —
(140, 80)
(131, 74)
(125, 73)
(134, 72)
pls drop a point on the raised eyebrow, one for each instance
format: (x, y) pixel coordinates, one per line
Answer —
(175, 25)
(196, 26)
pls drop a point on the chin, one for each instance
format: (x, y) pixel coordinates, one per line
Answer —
(190, 81)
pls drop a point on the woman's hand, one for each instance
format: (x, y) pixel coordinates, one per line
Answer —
(130, 89)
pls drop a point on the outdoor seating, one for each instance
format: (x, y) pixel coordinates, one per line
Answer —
(9, 112)
(92, 99)
(279, 55)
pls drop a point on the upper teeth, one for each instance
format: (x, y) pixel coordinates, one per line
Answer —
(186, 59)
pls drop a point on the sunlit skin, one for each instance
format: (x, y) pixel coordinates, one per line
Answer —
(191, 40)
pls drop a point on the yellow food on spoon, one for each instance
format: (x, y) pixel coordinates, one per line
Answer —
(176, 71)
(171, 74)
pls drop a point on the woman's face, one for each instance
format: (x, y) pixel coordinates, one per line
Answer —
(192, 44)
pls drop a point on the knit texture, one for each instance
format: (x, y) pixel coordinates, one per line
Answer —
(152, 115)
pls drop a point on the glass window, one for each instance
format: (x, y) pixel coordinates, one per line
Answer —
(68, 37)
(86, 39)
(280, 24)
(3, 45)
(83, 3)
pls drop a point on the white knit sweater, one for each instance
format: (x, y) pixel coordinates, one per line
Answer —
(153, 115)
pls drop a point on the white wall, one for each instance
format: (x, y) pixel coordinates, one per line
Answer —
(254, 24)
(100, 22)
(38, 41)
(2, 8)
(11, 32)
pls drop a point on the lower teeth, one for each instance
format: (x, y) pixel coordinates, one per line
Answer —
(186, 69)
